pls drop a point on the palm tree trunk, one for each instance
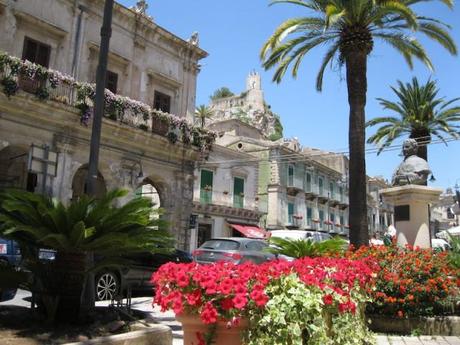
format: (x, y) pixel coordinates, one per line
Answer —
(356, 64)
(66, 282)
(423, 138)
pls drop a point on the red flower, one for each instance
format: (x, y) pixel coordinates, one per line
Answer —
(240, 301)
(327, 299)
(209, 314)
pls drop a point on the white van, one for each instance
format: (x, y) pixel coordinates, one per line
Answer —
(300, 234)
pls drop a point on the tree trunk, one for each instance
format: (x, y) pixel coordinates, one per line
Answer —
(423, 139)
(66, 281)
(356, 64)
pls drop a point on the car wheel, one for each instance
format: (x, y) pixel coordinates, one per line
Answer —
(107, 286)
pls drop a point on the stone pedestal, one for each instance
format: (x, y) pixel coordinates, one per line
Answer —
(412, 221)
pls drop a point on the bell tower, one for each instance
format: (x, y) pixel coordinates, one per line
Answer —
(253, 81)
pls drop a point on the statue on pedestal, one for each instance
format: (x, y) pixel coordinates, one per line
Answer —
(413, 169)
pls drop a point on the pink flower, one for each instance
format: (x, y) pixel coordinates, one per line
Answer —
(240, 301)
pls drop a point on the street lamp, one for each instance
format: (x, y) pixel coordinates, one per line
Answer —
(91, 178)
(106, 32)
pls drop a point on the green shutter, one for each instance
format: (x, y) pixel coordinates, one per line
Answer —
(206, 186)
(290, 213)
(238, 192)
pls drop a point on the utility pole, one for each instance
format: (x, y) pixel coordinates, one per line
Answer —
(91, 179)
(106, 32)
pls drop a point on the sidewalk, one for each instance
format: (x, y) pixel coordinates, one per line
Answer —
(167, 318)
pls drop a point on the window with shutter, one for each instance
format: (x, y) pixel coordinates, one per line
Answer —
(206, 186)
(36, 52)
(321, 218)
(238, 192)
(290, 176)
(111, 82)
(162, 102)
(309, 215)
(290, 213)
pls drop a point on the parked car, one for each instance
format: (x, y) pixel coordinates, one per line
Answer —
(234, 249)
(10, 257)
(440, 245)
(301, 234)
(110, 281)
(135, 275)
(9, 252)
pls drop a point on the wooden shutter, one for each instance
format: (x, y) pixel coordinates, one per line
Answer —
(206, 186)
(238, 192)
(162, 102)
(111, 82)
(36, 52)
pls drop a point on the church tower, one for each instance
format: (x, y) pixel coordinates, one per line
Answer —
(254, 93)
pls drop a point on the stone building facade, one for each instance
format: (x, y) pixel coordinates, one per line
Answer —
(301, 188)
(225, 195)
(43, 145)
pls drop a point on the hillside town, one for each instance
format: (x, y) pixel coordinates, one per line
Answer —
(193, 184)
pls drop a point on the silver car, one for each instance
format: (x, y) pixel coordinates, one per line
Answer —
(234, 249)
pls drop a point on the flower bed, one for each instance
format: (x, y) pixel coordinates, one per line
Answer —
(45, 83)
(411, 281)
(307, 301)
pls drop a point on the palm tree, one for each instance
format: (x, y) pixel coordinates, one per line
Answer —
(349, 28)
(86, 225)
(420, 113)
(203, 112)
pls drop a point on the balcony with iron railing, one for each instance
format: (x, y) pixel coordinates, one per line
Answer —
(294, 184)
(48, 85)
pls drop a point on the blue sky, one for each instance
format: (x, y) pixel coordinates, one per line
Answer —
(232, 32)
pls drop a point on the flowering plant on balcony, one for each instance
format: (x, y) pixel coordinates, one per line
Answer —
(321, 297)
(315, 220)
(12, 69)
(297, 216)
(328, 222)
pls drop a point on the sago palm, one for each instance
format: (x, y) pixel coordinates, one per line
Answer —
(418, 113)
(86, 225)
(203, 112)
(299, 248)
(349, 28)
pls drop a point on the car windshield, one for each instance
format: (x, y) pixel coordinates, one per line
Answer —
(221, 245)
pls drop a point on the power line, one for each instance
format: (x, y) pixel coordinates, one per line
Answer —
(305, 157)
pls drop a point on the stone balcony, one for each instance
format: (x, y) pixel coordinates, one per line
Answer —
(49, 85)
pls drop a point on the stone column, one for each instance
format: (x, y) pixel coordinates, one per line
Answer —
(411, 213)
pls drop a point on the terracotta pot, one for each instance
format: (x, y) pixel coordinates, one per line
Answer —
(192, 325)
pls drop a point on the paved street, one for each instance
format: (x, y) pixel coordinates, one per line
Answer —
(144, 304)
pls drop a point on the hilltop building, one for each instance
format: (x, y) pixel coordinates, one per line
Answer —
(249, 107)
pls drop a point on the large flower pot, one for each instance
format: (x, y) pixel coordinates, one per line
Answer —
(192, 326)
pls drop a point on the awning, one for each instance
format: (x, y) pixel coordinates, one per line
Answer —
(250, 231)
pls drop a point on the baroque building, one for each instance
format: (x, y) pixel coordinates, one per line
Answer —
(47, 100)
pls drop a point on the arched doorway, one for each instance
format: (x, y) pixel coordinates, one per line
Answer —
(148, 189)
(14, 169)
(79, 186)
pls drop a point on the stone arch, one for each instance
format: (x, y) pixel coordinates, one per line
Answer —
(14, 169)
(79, 183)
(157, 190)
